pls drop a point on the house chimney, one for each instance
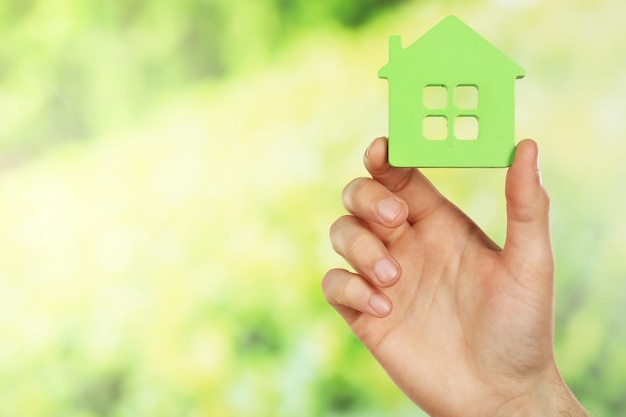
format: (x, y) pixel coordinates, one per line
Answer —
(395, 46)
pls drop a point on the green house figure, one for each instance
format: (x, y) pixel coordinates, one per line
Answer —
(451, 100)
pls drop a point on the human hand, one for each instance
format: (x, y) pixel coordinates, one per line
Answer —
(463, 327)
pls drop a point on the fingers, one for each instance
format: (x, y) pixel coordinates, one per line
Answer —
(528, 206)
(384, 213)
(351, 294)
(408, 183)
(364, 250)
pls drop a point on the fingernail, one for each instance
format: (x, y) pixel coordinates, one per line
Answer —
(379, 304)
(385, 270)
(389, 209)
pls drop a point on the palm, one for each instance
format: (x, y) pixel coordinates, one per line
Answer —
(454, 299)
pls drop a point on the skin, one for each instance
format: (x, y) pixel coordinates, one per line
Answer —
(462, 326)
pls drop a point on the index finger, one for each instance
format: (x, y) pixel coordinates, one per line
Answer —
(408, 183)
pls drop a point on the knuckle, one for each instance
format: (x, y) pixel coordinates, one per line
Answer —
(546, 197)
(351, 290)
(337, 231)
(327, 284)
(349, 235)
(403, 179)
(357, 245)
(337, 226)
(342, 288)
(352, 191)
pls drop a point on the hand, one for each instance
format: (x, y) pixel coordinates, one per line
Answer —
(463, 327)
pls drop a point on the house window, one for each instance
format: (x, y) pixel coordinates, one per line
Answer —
(435, 128)
(466, 97)
(435, 97)
(466, 128)
(450, 112)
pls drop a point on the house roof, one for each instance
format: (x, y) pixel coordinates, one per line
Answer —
(449, 44)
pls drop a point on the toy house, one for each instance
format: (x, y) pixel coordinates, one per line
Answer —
(451, 100)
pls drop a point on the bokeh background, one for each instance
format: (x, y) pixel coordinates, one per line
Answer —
(169, 171)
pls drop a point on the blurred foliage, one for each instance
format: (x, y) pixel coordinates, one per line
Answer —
(74, 68)
(170, 171)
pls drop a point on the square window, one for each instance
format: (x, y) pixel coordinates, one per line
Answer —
(435, 127)
(466, 96)
(466, 128)
(435, 97)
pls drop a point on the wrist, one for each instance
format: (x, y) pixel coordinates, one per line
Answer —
(550, 397)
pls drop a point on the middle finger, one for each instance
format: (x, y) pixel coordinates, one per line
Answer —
(383, 211)
(364, 250)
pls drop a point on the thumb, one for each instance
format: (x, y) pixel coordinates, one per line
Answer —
(528, 206)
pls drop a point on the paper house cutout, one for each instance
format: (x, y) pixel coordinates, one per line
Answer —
(451, 100)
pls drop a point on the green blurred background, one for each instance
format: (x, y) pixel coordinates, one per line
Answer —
(169, 171)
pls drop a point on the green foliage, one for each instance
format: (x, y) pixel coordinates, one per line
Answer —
(70, 70)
